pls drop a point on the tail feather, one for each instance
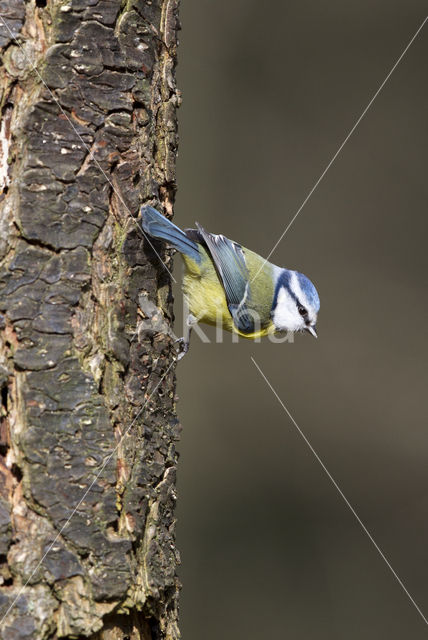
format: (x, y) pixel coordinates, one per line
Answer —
(157, 226)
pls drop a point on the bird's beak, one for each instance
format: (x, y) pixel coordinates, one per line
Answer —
(312, 331)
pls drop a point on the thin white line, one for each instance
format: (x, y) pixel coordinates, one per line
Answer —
(342, 145)
(88, 489)
(366, 531)
(140, 229)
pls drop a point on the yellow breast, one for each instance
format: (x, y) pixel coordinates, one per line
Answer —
(206, 299)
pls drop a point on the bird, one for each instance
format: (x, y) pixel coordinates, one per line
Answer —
(226, 283)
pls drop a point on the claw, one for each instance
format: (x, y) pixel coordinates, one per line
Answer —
(183, 348)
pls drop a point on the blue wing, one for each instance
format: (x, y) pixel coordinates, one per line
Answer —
(157, 226)
(229, 260)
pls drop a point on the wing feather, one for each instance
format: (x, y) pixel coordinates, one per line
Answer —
(229, 260)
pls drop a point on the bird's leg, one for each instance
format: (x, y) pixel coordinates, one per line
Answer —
(185, 340)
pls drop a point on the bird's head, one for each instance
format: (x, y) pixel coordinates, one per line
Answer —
(296, 303)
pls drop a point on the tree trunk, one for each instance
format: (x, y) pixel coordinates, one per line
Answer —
(88, 424)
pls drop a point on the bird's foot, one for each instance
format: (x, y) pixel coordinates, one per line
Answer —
(183, 347)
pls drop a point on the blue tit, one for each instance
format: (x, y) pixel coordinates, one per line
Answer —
(229, 284)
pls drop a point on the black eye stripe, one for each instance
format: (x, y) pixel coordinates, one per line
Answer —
(284, 282)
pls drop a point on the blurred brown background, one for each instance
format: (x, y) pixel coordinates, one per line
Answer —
(269, 548)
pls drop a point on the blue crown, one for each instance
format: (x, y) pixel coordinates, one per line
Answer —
(309, 290)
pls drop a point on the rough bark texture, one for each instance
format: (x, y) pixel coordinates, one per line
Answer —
(88, 134)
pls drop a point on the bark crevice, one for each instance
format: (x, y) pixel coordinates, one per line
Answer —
(82, 150)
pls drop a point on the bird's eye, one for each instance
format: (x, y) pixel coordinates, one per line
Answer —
(302, 311)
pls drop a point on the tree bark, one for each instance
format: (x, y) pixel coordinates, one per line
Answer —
(88, 134)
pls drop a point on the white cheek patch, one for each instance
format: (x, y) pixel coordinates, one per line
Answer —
(285, 316)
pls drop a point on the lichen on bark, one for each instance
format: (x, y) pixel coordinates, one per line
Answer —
(88, 104)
